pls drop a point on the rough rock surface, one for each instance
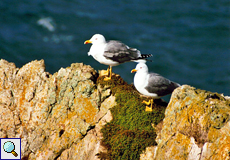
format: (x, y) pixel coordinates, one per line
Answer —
(53, 113)
(196, 126)
(60, 116)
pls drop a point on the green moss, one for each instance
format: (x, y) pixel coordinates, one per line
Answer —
(130, 131)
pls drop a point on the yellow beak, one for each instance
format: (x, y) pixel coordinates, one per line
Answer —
(88, 41)
(134, 70)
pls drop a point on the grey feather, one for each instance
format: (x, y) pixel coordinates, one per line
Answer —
(160, 85)
(119, 52)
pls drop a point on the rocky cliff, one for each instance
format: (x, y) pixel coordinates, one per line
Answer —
(74, 114)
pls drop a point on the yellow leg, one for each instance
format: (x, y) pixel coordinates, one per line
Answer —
(147, 103)
(150, 102)
(104, 73)
(109, 74)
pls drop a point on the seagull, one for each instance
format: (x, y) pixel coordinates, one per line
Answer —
(151, 84)
(112, 53)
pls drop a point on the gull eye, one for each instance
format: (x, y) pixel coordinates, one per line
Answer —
(95, 38)
(140, 67)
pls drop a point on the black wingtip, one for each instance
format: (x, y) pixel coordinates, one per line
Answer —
(146, 55)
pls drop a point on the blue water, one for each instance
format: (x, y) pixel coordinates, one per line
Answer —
(190, 40)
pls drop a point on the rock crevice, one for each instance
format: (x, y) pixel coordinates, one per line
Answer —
(74, 114)
(50, 112)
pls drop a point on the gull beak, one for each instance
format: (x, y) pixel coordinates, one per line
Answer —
(88, 41)
(134, 70)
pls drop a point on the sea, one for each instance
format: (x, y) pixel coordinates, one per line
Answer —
(189, 40)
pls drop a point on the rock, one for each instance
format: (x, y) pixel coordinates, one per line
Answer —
(90, 145)
(149, 153)
(196, 126)
(50, 113)
(75, 114)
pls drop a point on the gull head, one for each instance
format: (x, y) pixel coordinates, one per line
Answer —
(96, 39)
(140, 67)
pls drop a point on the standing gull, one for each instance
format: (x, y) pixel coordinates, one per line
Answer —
(151, 84)
(112, 53)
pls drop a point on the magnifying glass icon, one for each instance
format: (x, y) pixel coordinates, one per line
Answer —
(9, 147)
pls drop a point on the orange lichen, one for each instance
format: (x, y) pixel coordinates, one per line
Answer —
(85, 109)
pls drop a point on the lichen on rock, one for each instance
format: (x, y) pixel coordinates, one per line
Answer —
(75, 114)
(195, 118)
(49, 112)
